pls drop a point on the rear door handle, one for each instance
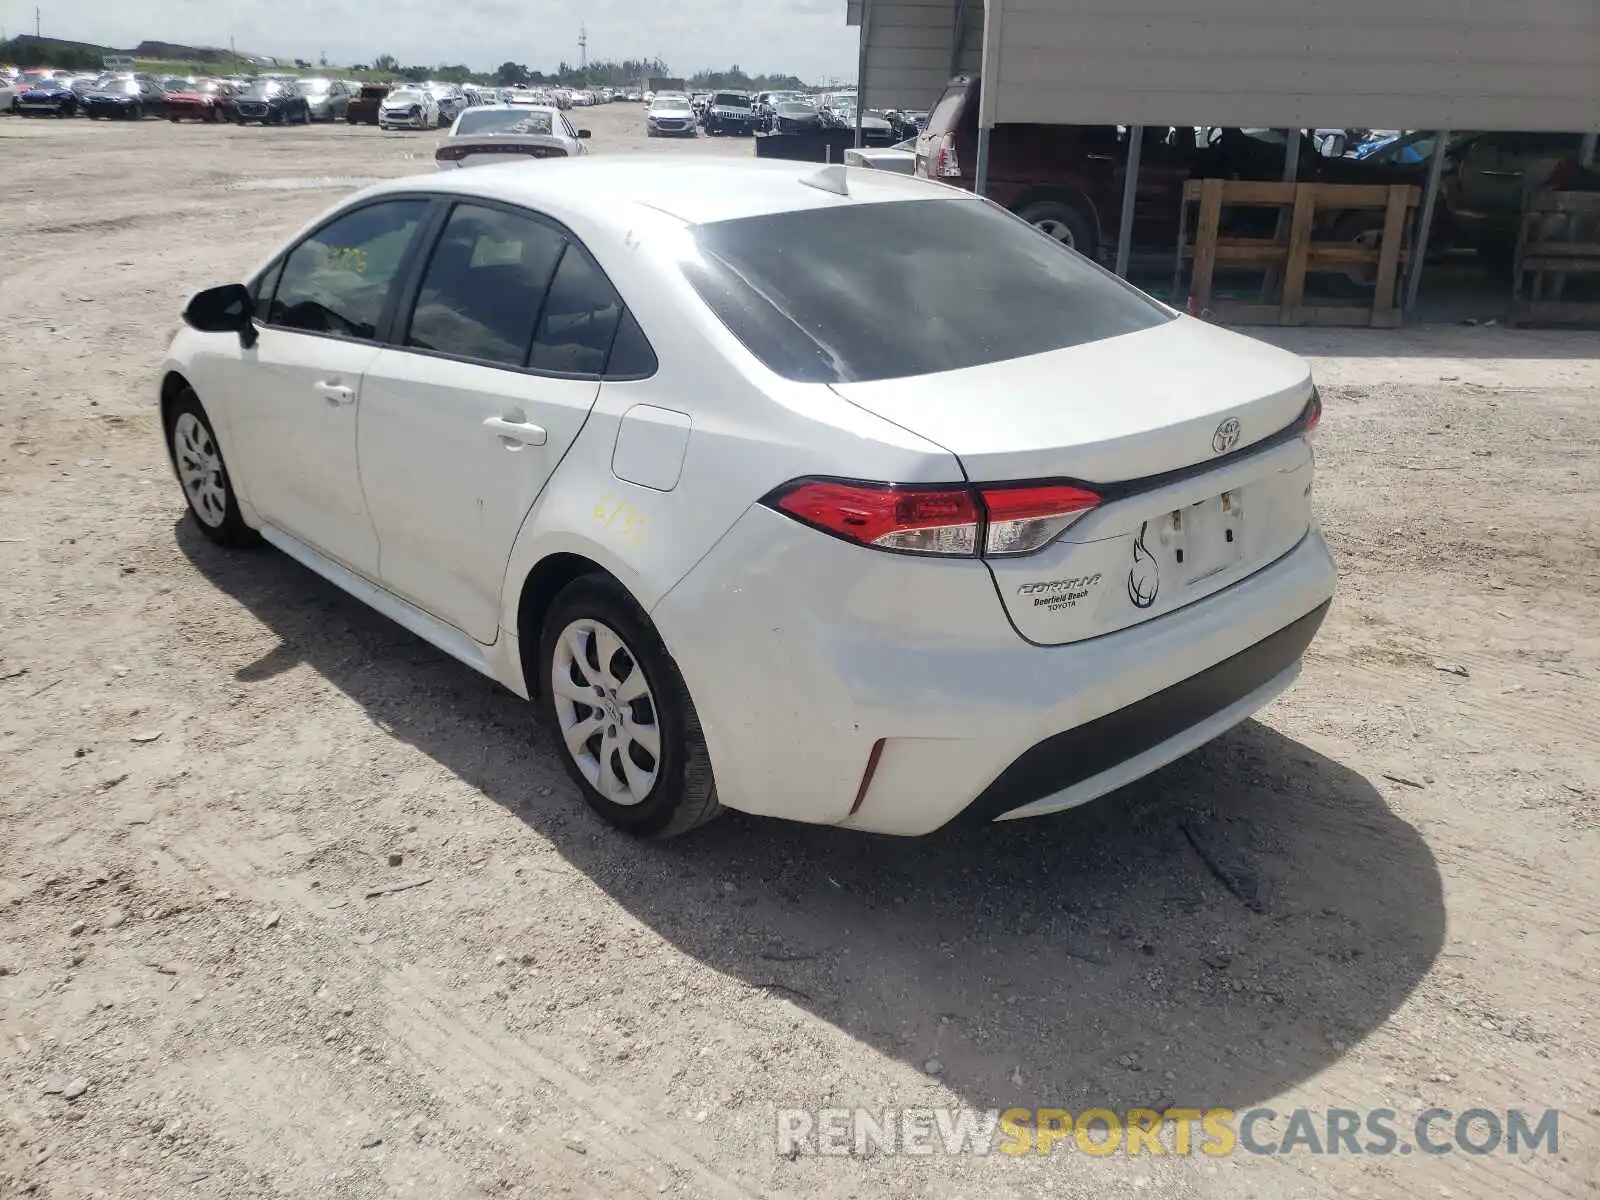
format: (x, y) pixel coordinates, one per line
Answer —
(516, 433)
(334, 392)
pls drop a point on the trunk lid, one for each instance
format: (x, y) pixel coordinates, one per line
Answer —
(1161, 423)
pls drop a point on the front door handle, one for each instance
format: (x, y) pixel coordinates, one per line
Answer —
(516, 433)
(334, 392)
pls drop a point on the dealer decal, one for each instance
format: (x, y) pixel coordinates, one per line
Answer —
(1144, 577)
(1056, 594)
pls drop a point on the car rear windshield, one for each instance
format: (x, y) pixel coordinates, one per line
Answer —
(943, 116)
(502, 120)
(888, 290)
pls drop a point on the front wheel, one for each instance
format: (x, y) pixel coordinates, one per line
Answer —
(203, 475)
(627, 731)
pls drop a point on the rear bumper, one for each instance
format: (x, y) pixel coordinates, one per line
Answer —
(803, 653)
(1078, 764)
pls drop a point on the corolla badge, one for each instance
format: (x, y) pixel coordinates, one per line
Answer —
(1144, 577)
(1226, 437)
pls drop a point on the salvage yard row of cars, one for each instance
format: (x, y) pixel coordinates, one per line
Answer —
(733, 112)
(269, 99)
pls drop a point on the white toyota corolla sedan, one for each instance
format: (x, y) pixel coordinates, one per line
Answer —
(820, 493)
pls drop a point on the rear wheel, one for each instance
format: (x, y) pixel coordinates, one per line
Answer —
(203, 475)
(627, 730)
(1067, 222)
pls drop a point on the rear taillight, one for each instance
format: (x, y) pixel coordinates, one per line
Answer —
(1313, 414)
(945, 163)
(919, 520)
(1024, 519)
(948, 521)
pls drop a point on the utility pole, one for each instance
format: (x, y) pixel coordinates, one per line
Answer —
(36, 22)
(583, 49)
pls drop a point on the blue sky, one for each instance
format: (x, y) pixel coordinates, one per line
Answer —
(806, 37)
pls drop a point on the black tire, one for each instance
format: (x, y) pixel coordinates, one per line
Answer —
(230, 530)
(684, 794)
(1069, 223)
(136, 113)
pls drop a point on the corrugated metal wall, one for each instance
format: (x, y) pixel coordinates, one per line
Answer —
(911, 49)
(1410, 64)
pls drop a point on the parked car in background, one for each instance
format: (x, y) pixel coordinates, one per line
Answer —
(501, 132)
(409, 108)
(82, 85)
(795, 116)
(729, 112)
(133, 98)
(670, 114)
(272, 102)
(1097, 512)
(210, 100)
(905, 122)
(326, 99)
(47, 98)
(362, 108)
(840, 113)
(900, 159)
(450, 100)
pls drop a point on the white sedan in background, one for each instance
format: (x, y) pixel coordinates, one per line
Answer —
(901, 158)
(409, 108)
(486, 135)
(641, 445)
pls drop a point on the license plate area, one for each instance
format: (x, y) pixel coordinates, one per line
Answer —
(1205, 539)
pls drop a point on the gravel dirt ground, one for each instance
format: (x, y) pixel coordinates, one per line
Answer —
(293, 905)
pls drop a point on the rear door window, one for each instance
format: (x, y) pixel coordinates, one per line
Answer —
(579, 320)
(483, 286)
(912, 287)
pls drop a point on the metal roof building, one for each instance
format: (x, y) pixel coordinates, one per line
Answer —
(1531, 65)
(1392, 64)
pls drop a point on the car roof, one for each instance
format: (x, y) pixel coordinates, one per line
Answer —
(615, 193)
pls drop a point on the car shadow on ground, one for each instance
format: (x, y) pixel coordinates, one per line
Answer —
(1211, 936)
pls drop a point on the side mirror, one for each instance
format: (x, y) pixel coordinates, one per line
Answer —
(583, 133)
(225, 309)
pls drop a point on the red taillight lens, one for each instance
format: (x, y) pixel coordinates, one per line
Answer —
(1000, 519)
(1313, 415)
(1025, 519)
(945, 163)
(918, 520)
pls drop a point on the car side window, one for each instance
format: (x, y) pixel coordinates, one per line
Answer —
(631, 353)
(338, 279)
(484, 284)
(579, 320)
(265, 285)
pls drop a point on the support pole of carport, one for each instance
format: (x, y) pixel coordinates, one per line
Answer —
(1430, 197)
(988, 93)
(1130, 191)
(861, 66)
